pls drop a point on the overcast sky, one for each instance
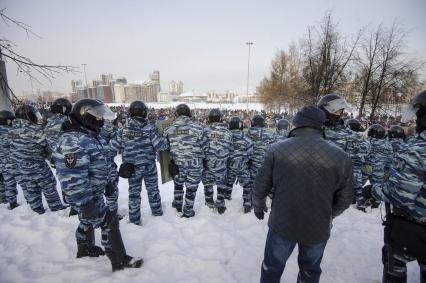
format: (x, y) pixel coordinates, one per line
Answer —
(201, 43)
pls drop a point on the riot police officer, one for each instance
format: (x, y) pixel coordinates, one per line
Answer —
(283, 127)
(139, 143)
(405, 198)
(8, 191)
(219, 148)
(334, 106)
(83, 168)
(29, 149)
(188, 144)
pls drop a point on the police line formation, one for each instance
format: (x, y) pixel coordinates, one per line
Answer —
(80, 141)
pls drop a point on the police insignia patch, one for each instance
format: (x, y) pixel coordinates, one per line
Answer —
(400, 164)
(70, 160)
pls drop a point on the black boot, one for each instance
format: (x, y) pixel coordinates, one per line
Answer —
(72, 212)
(221, 209)
(127, 262)
(13, 205)
(85, 249)
(247, 208)
(178, 207)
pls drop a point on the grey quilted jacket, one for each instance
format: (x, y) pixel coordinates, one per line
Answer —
(312, 181)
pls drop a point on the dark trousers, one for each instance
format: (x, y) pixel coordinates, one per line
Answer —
(278, 250)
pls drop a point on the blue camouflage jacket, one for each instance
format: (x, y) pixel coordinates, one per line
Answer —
(52, 129)
(4, 145)
(406, 187)
(262, 139)
(187, 140)
(82, 165)
(220, 147)
(243, 149)
(138, 142)
(27, 142)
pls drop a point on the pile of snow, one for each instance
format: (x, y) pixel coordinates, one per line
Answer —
(208, 248)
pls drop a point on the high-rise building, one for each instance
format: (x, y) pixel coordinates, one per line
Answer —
(104, 93)
(119, 93)
(179, 87)
(75, 84)
(121, 80)
(132, 92)
(105, 78)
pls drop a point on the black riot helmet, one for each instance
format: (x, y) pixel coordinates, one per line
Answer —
(6, 118)
(29, 113)
(183, 110)
(396, 132)
(330, 104)
(354, 125)
(90, 113)
(258, 121)
(416, 109)
(138, 109)
(61, 106)
(215, 115)
(235, 123)
(376, 131)
(283, 124)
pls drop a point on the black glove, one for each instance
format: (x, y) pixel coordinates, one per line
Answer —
(109, 189)
(259, 214)
(366, 192)
(89, 211)
(64, 197)
(204, 163)
(173, 169)
(126, 170)
(52, 162)
(249, 163)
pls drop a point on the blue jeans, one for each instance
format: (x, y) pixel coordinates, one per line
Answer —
(278, 250)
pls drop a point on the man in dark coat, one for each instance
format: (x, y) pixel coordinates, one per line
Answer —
(312, 180)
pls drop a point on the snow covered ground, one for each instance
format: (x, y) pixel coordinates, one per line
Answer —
(208, 248)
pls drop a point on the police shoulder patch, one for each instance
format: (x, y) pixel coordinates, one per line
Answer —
(70, 160)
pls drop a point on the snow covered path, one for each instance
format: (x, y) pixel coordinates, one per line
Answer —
(208, 248)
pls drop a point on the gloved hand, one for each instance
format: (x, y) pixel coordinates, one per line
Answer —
(259, 214)
(173, 169)
(204, 163)
(109, 189)
(52, 162)
(366, 191)
(89, 211)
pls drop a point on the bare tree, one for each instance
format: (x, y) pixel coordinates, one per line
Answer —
(327, 54)
(25, 65)
(384, 70)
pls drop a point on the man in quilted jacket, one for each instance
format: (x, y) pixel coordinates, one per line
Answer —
(312, 181)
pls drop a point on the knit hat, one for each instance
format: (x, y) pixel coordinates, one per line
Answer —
(309, 116)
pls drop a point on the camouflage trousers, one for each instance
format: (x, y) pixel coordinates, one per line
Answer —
(148, 174)
(189, 177)
(38, 179)
(112, 200)
(8, 191)
(209, 179)
(82, 233)
(398, 274)
(243, 178)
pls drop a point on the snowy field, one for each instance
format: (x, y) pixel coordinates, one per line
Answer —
(208, 248)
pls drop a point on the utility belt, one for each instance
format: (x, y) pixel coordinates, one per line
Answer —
(405, 235)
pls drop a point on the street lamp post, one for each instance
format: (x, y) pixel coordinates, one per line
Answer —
(249, 44)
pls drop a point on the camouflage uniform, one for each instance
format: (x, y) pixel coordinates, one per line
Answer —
(398, 145)
(52, 129)
(353, 144)
(28, 148)
(83, 169)
(262, 139)
(108, 132)
(405, 190)
(238, 166)
(139, 144)
(188, 144)
(8, 191)
(215, 170)
(281, 135)
(379, 158)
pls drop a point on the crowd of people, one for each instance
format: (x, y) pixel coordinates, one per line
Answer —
(346, 162)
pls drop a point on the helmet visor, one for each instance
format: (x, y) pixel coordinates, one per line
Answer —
(101, 112)
(409, 113)
(337, 104)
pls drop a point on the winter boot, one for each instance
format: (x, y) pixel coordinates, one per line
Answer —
(247, 208)
(178, 207)
(221, 209)
(72, 212)
(13, 205)
(126, 262)
(85, 249)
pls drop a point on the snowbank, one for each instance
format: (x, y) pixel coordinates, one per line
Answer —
(208, 248)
